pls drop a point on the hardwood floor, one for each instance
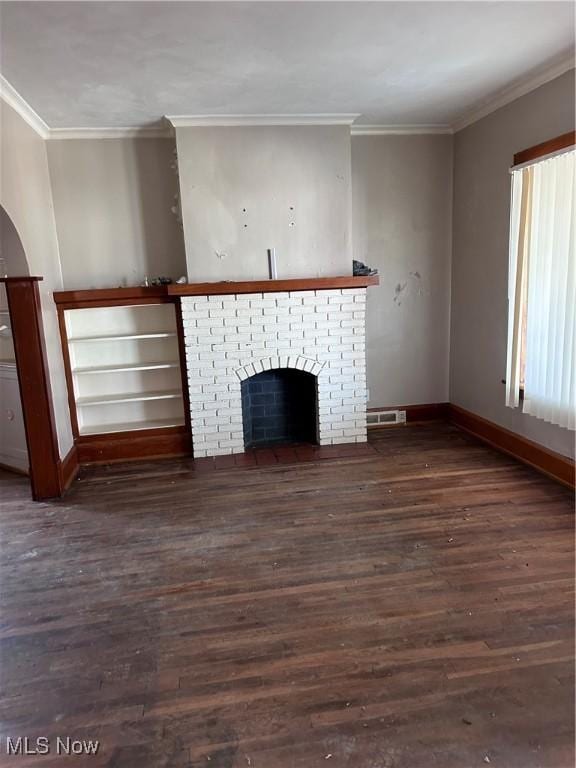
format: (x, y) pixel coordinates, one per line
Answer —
(407, 605)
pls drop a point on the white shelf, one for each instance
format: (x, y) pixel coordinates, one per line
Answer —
(124, 337)
(129, 397)
(131, 426)
(128, 367)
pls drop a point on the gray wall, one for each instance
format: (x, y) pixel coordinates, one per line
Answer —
(401, 204)
(483, 155)
(26, 196)
(268, 171)
(112, 199)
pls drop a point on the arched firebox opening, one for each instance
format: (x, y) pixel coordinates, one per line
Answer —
(280, 406)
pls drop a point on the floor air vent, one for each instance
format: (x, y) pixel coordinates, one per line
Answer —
(378, 418)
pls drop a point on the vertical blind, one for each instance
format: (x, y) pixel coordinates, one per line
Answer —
(542, 291)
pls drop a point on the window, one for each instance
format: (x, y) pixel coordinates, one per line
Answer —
(542, 284)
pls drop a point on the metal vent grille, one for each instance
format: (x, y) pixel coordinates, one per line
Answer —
(376, 418)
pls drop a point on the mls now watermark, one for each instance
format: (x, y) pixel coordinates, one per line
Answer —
(42, 745)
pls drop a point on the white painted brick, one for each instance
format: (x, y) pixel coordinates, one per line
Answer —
(304, 309)
(221, 313)
(209, 322)
(252, 296)
(332, 433)
(288, 302)
(280, 344)
(341, 299)
(262, 336)
(264, 304)
(299, 294)
(237, 322)
(290, 334)
(233, 302)
(231, 442)
(238, 337)
(215, 388)
(302, 325)
(229, 411)
(222, 451)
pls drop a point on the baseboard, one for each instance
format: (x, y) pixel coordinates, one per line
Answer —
(422, 412)
(14, 470)
(134, 446)
(553, 464)
(68, 468)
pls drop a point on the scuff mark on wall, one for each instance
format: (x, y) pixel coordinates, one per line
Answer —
(407, 288)
(398, 291)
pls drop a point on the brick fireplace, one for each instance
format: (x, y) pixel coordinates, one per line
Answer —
(232, 337)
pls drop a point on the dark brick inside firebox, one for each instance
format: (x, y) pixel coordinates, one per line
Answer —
(279, 406)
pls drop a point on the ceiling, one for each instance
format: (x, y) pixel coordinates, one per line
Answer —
(120, 64)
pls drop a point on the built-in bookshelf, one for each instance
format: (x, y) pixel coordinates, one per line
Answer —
(124, 367)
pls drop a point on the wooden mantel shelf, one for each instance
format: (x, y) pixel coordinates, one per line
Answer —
(139, 293)
(270, 286)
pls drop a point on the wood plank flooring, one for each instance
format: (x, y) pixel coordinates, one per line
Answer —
(408, 605)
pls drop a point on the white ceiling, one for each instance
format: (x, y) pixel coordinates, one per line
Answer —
(117, 64)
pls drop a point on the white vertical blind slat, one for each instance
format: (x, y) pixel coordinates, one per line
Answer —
(542, 243)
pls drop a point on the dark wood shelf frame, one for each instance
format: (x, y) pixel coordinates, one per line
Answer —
(110, 297)
(130, 445)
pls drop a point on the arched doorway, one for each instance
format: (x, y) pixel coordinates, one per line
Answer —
(13, 447)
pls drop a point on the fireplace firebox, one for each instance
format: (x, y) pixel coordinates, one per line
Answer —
(279, 406)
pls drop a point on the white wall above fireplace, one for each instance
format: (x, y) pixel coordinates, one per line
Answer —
(249, 188)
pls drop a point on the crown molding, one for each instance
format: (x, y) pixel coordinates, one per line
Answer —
(131, 132)
(10, 95)
(399, 130)
(514, 91)
(213, 121)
